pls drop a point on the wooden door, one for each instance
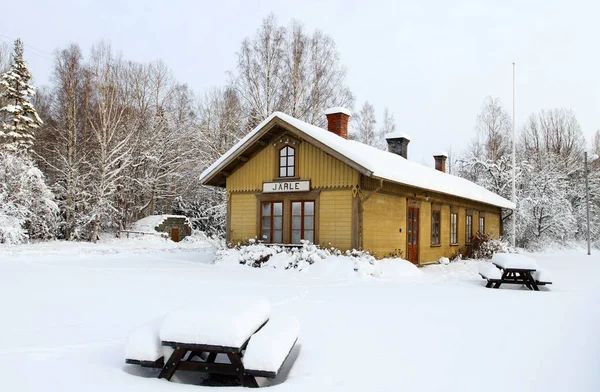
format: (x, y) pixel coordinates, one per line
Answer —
(175, 234)
(412, 235)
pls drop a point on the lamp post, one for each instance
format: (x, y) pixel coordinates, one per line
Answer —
(514, 163)
(587, 197)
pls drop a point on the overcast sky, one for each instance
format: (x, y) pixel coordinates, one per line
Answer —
(431, 63)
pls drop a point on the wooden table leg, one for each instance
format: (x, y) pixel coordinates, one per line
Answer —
(245, 380)
(211, 357)
(249, 381)
(171, 365)
(532, 282)
(504, 276)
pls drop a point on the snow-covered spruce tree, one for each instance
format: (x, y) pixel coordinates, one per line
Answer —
(19, 118)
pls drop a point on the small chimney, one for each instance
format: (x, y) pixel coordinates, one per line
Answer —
(337, 121)
(398, 143)
(440, 161)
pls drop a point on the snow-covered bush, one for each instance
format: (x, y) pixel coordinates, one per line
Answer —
(258, 255)
(484, 247)
(207, 213)
(12, 221)
(27, 206)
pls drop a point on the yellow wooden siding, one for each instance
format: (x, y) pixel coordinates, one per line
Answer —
(250, 176)
(462, 229)
(383, 217)
(243, 217)
(427, 253)
(432, 253)
(335, 219)
(492, 225)
(444, 229)
(323, 170)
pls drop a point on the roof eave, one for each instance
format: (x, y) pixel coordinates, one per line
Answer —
(444, 193)
(210, 177)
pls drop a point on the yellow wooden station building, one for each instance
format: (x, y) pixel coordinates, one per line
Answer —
(288, 181)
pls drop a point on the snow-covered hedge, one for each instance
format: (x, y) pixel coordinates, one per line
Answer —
(311, 257)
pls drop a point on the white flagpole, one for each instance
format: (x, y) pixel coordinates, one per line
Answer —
(514, 160)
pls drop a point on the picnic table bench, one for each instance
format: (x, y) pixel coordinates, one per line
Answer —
(239, 341)
(513, 269)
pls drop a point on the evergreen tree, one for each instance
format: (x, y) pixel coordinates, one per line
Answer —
(27, 206)
(19, 116)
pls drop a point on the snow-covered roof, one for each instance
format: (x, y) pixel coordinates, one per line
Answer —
(149, 223)
(378, 164)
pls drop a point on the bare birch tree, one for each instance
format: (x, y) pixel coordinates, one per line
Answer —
(493, 130)
(112, 133)
(288, 70)
(64, 144)
(365, 125)
(260, 71)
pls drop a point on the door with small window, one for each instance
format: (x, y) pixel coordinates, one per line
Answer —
(303, 221)
(412, 235)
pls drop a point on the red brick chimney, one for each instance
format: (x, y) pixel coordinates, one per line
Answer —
(440, 161)
(337, 121)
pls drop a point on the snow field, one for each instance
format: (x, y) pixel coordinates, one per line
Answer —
(68, 316)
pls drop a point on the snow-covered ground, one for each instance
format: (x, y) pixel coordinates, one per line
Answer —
(68, 308)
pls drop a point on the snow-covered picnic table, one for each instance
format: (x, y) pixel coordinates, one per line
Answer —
(514, 269)
(231, 336)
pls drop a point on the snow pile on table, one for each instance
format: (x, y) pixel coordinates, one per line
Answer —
(144, 344)
(514, 260)
(489, 271)
(149, 223)
(269, 347)
(542, 275)
(314, 260)
(225, 321)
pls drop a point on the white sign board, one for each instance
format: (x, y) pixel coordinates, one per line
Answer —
(286, 186)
